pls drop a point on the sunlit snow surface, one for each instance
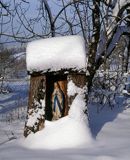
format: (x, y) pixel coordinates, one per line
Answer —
(106, 138)
(67, 52)
(111, 132)
(69, 132)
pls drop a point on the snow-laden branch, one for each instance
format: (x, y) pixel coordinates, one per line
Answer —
(110, 3)
(121, 10)
(106, 47)
(119, 32)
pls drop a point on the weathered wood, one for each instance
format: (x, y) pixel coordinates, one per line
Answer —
(36, 98)
(37, 88)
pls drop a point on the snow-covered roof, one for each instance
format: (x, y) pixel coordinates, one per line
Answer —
(54, 54)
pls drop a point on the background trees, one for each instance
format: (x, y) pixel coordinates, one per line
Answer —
(102, 23)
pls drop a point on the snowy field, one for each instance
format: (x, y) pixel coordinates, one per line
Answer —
(110, 131)
(17, 96)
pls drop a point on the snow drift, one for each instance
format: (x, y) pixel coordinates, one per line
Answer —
(68, 132)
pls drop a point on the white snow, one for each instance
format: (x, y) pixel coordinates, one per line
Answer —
(72, 89)
(111, 129)
(64, 133)
(20, 55)
(36, 114)
(77, 109)
(126, 92)
(106, 138)
(67, 52)
(71, 131)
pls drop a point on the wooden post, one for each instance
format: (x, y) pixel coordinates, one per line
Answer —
(35, 103)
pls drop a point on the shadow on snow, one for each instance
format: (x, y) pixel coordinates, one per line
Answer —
(98, 120)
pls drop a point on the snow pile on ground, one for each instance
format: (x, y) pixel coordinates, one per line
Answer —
(111, 130)
(10, 131)
(56, 53)
(68, 132)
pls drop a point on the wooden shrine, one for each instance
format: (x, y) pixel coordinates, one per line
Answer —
(48, 96)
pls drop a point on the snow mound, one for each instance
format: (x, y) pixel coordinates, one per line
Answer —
(73, 89)
(68, 132)
(53, 54)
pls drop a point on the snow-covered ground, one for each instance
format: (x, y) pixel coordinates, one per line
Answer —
(106, 138)
(17, 96)
(111, 139)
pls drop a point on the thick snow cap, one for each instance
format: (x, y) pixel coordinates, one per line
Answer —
(54, 54)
